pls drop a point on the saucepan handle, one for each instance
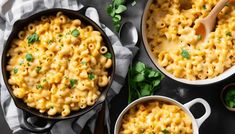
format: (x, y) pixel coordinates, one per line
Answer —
(83, 10)
(24, 124)
(205, 104)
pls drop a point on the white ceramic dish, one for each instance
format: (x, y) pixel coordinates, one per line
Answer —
(221, 77)
(195, 122)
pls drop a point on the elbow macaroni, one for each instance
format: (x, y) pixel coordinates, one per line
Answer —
(170, 29)
(55, 65)
(156, 117)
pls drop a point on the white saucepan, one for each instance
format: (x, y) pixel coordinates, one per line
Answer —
(196, 123)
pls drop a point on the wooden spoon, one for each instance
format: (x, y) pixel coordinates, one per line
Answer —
(207, 24)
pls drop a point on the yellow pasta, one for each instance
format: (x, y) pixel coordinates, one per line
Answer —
(170, 32)
(54, 65)
(156, 117)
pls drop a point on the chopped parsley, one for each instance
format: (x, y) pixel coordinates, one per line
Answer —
(91, 76)
(75, 33)
(38, 69)
(230, 98)
(199, 37)
(60, 35)
(185, 54)
(73, 82)
(204, 7)
(50, 41)
(44, 80)
(39, 86)
(33, 38)
(15, 70)
(22, 62)
(165, 131)
(228, 33)
(29, 57)
(153, 132)
(108, 55)
(83, 62)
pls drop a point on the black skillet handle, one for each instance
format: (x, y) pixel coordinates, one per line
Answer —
(83, 10)
(29, 126)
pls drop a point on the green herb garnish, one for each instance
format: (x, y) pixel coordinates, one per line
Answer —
(33, 38)
(91, 76)
(15, 70)
(29, 57)
(230, 98)
(185, 54)
(83, 62)
(228, 33)
(75, 33)
(39, 86)
(204, 7)
(38, 69)
(153, 132)
(165, 131)
(60, 35)
(199, 37)
(73, 82)
(114, 10)
(142, 81)
(108, 55)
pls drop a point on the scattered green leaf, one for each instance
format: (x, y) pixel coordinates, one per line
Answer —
(185, 54)
(91, 76)
(15, 70)
(73, 82)
(204, 7)
(199, 37)
(83, 62)
(75, 33)
(29, 57)
(165, 131)
(108, 55)
(38, 68)
(32, 38)
(228, 33)
(39, 86)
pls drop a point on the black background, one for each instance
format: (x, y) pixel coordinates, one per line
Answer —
(221, 121)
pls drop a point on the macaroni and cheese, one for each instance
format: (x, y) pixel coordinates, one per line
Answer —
(156, 117)
(58, 65)
(170, 32)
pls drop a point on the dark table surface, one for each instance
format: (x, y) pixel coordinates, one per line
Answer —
(221, 121)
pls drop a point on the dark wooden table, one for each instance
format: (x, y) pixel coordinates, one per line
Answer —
(221, 121)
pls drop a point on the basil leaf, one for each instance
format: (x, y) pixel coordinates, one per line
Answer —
(29, 57)
(32, 38)
(228, 34)
(75, 33)
(120, 9)
(185, 54)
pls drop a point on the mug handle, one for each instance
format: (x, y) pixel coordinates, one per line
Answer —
(207, 108)
(24, 124)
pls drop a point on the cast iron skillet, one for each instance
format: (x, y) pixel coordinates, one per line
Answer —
(30, 113)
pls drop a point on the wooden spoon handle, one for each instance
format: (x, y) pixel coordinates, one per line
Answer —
(218, 7)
